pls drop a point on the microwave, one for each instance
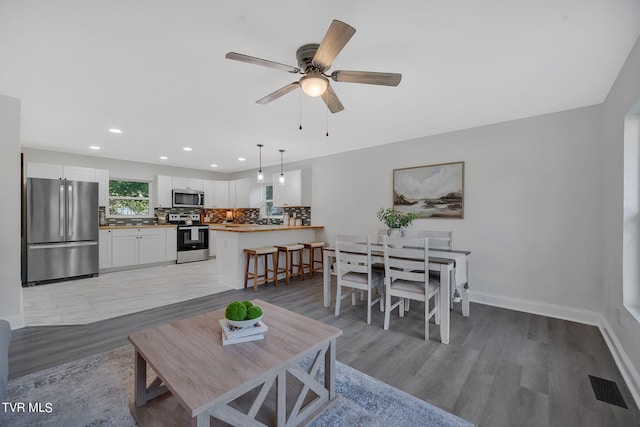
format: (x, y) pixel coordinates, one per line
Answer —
(188, 199)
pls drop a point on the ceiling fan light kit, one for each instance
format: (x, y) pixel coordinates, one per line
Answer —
(314, 84)
(313, 62)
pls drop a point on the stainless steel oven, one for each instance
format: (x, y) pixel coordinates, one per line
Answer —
(193, 238)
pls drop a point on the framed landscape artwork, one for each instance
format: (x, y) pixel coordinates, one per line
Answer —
(434, 191)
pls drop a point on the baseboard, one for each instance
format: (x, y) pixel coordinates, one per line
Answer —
(16, 321)
(544, 309)
(628, 371)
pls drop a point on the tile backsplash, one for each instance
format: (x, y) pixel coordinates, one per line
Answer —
(252, 215)
(240, 216)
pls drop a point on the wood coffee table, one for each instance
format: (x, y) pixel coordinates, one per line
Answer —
(251, 383)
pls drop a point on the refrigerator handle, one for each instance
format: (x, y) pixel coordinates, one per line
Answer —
(61, 207)
(70, 209)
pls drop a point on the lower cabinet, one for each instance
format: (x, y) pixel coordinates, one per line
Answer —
(212, 243)
(172, 244)
(138, 246)
(104, 249)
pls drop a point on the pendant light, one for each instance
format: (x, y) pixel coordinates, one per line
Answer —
(260, 174)
(281, 179)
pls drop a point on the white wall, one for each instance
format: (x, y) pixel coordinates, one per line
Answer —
(626, 328)
(10, 286)
(533, 206)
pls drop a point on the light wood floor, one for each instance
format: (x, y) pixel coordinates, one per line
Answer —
(501, 368)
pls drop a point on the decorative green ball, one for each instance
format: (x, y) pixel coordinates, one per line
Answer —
(247, 304)
(254, 312)
(236, 311)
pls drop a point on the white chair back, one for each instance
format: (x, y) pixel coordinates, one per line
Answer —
(406, 259)
(354, 270)
(353, 255)
(438, 239)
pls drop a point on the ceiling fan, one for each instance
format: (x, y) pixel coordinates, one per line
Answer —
(314, 60)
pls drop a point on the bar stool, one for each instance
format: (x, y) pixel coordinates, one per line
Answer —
(257, 278)
(311, 250)
(289, 251)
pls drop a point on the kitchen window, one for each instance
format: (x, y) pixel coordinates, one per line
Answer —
(271, 211)
(129, 198)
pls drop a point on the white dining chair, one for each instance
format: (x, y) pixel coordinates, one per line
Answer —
(442, 240)
(438, 239)
(354, 270)
(406, 267)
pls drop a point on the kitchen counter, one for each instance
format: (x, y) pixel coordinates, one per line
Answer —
(232, 239)
(115, 227)
(252, 228)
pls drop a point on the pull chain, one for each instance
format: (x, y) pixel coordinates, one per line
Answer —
(300, 128)
(327, 122)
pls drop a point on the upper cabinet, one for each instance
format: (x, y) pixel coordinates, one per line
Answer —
(44, 170)
(242, 193)
(221, 194)
(187, 183)
(163, 191)
(296, 190)
(209, 193)
(73, 173)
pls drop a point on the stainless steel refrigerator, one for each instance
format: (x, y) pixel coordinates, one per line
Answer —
(61, 229)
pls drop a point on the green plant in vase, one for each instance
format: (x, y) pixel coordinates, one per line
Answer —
(396, 220)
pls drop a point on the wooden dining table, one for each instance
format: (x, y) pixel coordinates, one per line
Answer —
(444, 265)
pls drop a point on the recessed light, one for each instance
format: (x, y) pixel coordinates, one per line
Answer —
(94, 147)
(187, 148)
(114, 130)
(242, 159)
(214, 166)
(163, 157)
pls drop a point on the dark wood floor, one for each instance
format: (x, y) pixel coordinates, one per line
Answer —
(501, 368)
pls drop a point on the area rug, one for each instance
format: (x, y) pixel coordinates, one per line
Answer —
(95, 391)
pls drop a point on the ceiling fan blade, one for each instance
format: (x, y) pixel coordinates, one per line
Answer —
(367, 77)
(278, 93)
(334, 40)
(331, 99)
(258, 61)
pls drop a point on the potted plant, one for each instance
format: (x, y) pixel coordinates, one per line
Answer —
(396, 220)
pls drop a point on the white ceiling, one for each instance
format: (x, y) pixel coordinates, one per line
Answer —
(156, 70)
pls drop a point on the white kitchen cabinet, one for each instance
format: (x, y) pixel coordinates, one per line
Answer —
(209, 194)
(78, 173)
(102, 178)
(53, 171)
(171, 254)
(232, 194)
(152, 245)
(221, 194)
(163, 191)
(212, 243)
(137, 246)
(295, 192)
(44, 170)
(104, 249)
(180, 183)
(242, 193)
(124, 247)
(256, 194)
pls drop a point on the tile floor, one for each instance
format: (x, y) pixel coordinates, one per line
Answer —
(114, 294)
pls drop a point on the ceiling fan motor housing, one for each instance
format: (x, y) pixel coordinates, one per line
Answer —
(305, 55)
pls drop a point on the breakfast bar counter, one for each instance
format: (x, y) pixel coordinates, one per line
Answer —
(233, 239)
